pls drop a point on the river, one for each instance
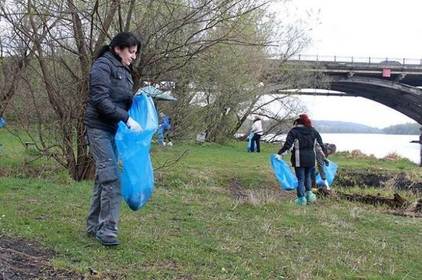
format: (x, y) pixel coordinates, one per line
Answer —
(379, 145)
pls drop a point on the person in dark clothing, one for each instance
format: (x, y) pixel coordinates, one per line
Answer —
(110, 97)
(303, 137)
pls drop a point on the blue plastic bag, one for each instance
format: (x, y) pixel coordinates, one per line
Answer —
(330, 173)
(136, 175)
(2, 122)
(288, 180)
(283, 173)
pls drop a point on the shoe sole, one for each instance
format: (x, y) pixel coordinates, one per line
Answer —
(108, 244)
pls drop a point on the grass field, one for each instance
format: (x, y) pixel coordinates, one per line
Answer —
(196, 227)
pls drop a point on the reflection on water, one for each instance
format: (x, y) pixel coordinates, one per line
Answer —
(379, 145)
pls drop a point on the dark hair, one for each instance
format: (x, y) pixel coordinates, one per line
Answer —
(121, 40)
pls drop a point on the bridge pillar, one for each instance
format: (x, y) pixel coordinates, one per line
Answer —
(420, 144)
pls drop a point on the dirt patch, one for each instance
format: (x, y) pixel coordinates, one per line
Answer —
(378, 179)
(414, 210)
(259, 196)
(396, 202)
(22, 259)
(397, 205)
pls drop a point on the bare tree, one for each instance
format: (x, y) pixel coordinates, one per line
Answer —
(234, 81)
(63, 37)
(14, 58)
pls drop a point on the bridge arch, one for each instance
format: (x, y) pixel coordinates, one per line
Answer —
(393, 83)
(400, 97)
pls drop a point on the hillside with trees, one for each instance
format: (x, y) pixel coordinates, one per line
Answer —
(406, 128)
(350, 127)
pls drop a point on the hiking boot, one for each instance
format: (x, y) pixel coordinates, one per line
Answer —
(301, 201)
(91, 234)
(310, 196)
(108, 240)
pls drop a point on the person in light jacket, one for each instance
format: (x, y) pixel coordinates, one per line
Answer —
(257, 132)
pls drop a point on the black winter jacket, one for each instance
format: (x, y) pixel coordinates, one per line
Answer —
(110, 93)
(303, 140)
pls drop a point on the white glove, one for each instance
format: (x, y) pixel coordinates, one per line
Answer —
(277, 156)
(133, 125)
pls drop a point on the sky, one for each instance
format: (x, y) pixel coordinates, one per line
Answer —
(358, 28)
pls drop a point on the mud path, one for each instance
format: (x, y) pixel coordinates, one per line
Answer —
(379, 179)
(22, 259)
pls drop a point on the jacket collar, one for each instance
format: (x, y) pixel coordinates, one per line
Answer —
(114, 60)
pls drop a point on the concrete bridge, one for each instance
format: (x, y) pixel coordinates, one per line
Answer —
(392, 82)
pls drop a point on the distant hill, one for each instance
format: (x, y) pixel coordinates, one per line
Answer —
(344, 127)
(406, 128)
(341, 127)
(350, 127)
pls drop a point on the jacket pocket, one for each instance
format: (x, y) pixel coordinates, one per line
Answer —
(116, 74)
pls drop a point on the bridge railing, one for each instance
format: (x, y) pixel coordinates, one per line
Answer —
(360, 60)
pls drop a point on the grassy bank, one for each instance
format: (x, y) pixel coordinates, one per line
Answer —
(195, 227)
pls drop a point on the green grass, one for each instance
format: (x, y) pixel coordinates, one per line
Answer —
(193, 228)
(345, 160)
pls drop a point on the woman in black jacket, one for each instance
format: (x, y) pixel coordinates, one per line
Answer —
(110, 97)
(303, 137)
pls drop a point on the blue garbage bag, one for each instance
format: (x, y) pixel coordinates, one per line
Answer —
(330, 173)
(2, 122)
(249, 147)
(136, 174)
(283, 173)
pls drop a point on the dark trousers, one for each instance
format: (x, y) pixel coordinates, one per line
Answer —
(304, 179)
(103, 215)
(255, 141)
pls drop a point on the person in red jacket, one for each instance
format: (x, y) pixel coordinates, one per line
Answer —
(303, 138)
